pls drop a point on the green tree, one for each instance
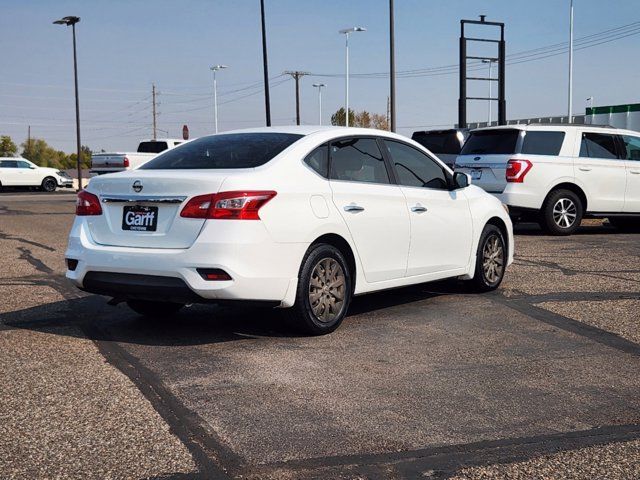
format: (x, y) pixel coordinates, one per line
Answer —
(361, 119)
(338, 118)
(85, 155)
(7, 147)
(40, 153)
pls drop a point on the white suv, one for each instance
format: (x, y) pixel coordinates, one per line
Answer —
(20, 172)
(557, 174)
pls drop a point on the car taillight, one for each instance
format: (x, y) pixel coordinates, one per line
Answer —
(517, 169)
(238, 205)
(87, 204)
(125, 163)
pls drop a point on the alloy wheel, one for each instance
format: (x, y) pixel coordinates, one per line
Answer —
(327, 290)
(565, 213)
(493, 258)
(49, 185)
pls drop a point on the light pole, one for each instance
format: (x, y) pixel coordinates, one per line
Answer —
(72, 21)
(570, 106)
(265, 66)
(319, 87)
(346, 32)
(214, 69)
(392, 69)
(490, 62)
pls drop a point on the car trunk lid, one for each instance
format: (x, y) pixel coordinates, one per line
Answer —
(142, 208)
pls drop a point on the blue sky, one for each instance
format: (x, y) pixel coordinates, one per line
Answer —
(125, 46)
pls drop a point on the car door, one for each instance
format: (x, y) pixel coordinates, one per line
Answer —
(631, 151)
(29, 176)
(601, 170)
(9, 174)
(372, 206)
(440, 218)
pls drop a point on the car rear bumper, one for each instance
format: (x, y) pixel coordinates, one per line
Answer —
(517, 195)
(260, 269)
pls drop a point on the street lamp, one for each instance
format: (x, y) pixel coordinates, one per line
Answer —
(214, 69)
(346, 32)
(72, 21)
(490, 62)
(570, 106)
(319, 87)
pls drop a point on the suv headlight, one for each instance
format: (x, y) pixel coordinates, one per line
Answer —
(63, 174)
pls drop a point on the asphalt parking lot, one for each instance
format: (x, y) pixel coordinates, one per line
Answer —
(538, 380)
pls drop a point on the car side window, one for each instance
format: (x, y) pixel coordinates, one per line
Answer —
(23, 165)
(542, 143)
(358, 160)
(9, 164)
(414, 168)
(598, 145)
(318, 160)
(632, 147)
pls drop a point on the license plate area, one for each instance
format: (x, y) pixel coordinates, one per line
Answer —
(140, 218)
(476, 174)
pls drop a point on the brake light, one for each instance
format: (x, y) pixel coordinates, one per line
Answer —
(237, 205)
(517, 169)
(125, 163)
(87, 204)
(214, 274)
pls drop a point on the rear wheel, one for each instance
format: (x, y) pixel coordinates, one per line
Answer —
(491, 260)
(324, 291)
(148, 308)
(562, 212)
(626, 224)
(49, 184)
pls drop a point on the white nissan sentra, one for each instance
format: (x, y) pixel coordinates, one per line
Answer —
(301, 218)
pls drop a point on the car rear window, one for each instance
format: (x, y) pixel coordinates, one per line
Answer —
(234, 150)
(489, 142)
(152, 147)
(439, 142)
(542, 143)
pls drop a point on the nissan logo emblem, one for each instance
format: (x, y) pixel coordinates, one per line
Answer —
(476, 158)
(137, 186)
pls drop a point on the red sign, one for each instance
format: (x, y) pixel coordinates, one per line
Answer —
(185, 132)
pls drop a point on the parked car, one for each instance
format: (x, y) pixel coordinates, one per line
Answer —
(445, 144)
(20, 172)
(102, 163)
(296, 217)
(558, 175)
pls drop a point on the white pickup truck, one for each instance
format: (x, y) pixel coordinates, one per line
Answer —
(117, 162)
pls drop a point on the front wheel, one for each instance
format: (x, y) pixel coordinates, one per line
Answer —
(491, 260)
(562, 212)
(49, 184)
(148, 308)
(324, 291)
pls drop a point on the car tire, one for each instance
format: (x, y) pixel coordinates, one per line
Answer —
(49, 184)
(148, 308)
(562, 212)
(491, 260)
(625, 224)
(324, 291)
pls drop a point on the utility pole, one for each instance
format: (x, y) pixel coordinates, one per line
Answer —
(392, 68)
(296, 76)
(388, 112)
(153, 99)
(29, 140)
(265, 67)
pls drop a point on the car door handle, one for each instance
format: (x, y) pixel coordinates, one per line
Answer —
(353, 208)
(585, 169)
(418, 208)
(635, 172)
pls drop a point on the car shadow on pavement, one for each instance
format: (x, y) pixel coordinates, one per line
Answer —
(533, 229)
(91, 317)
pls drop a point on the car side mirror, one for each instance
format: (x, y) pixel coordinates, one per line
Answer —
(32, 167)
(461, 180)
